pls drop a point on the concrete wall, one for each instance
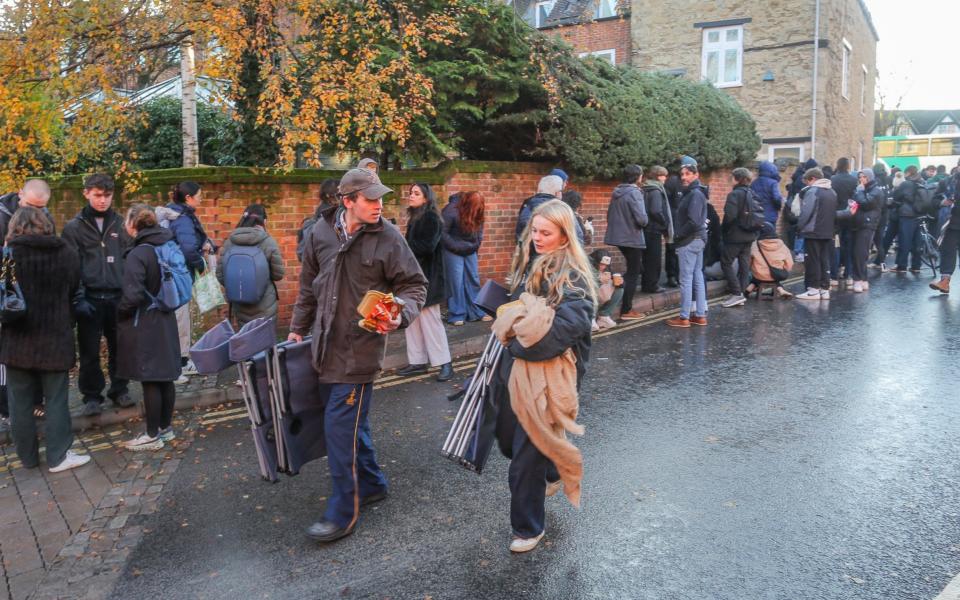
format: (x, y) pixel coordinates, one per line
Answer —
(291, 197)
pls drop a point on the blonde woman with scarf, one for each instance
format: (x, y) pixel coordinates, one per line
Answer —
(546, 333)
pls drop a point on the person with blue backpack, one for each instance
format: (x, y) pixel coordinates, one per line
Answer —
(251, 263)
(156, 282)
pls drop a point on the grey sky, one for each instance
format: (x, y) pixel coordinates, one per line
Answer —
(916, 52)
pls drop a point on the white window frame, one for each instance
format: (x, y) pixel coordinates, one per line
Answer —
(845, 53)
(772, 147)
(536, 11)
(721, 47)
(863, 91)
(948, 121)
(610, 54)
(600, 5)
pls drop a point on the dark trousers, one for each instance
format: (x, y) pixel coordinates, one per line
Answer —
(529, 472)
(736, 282)
(862, 238)
(25, 387)
(671, 264)
(842, 258)
(948, 251)
(634, 258)
(652, 259)
(353, 464)
(816, 265)
(158, 400)
(890, 233)
(909, 243)
(89, 332)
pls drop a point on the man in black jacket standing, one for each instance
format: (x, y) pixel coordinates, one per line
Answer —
(98, 236)
(904, 199)
(659, 224)
(844, 184)
(737, 238)
(950, 243)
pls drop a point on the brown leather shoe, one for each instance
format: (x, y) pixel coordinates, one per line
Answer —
(701, 321)
(678, 322)
(942, 286)
(631, 316)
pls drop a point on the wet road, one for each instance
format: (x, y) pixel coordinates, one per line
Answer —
(788, 450)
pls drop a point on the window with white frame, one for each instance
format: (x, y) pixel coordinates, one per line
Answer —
(946, 126)
(604, 8)
(777, 152)
(542, 12)
(722, 59)
(845, 69)
(863, 90)
(610, 55)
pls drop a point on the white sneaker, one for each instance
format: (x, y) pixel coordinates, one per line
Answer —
(848, 282)
(606, 322)
(594, 326)
(873, 266)
(824, 294)
(525, 544)
(799, 258)
(71, 461)
(865, 284)
(857, 287)
(884, 268)
(810, 294)
(167, 435)
(144, 442)
(834, 283)
(734, 300)
(189, 369)
(182, 380)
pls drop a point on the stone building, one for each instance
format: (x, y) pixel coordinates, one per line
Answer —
(761, 53)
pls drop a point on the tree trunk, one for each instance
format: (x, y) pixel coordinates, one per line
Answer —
(188, 82)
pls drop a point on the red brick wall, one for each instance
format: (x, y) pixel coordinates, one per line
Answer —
(289, 200)
(599, 35)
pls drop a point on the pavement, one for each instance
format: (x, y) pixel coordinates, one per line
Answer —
(787, 450)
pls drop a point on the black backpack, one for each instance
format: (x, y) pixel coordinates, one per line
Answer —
(922, 198)
(751, 214)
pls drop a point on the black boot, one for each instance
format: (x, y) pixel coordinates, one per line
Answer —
(446, 372)
(672, 282)
(412, 370)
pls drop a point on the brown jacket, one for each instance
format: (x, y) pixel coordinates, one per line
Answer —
(776, 253)
(333, 280)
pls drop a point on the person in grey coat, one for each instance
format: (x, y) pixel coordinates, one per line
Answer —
(251, 231)
(817, 225)
(626, 218)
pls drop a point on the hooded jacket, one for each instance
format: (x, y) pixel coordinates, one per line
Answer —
(256, 236)
(818, 211)
(336, 274)
(148, 344)
(658, 208)
(190, 235)
(738, 201)
(870, 200)
(48, 270)
(100, 251)
(904, 195)
(692, 217)
(796, 182)
(626, 217)
(766, 188)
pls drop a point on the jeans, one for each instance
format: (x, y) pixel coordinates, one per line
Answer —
(607, 309)
(89, 332)
(948, 251)
(842, 261)
(692, 285)
(158, 401)
(862, 238)
(740, 253)
(799, 245)
(25, 387)
(652, 259)
(909, 243)
(462, 276)
(890, 233)
(634, 258)
(816, 265)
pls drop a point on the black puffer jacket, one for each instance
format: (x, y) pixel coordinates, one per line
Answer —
(147, 339)
(423, 237)
(49, 274)
(903, 197)
(658, 209)
(870, 200)
(101, 252)
(739, 200)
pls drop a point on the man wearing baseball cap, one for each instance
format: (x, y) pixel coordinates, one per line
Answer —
(350, 251)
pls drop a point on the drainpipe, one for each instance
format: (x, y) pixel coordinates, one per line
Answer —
(816, 64)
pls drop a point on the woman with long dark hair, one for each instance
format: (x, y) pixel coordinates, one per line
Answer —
(547, 339)
(462, 236)
(195, 245)
(38, 349)
(147, 336)
(251, 232)
(426, 337)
